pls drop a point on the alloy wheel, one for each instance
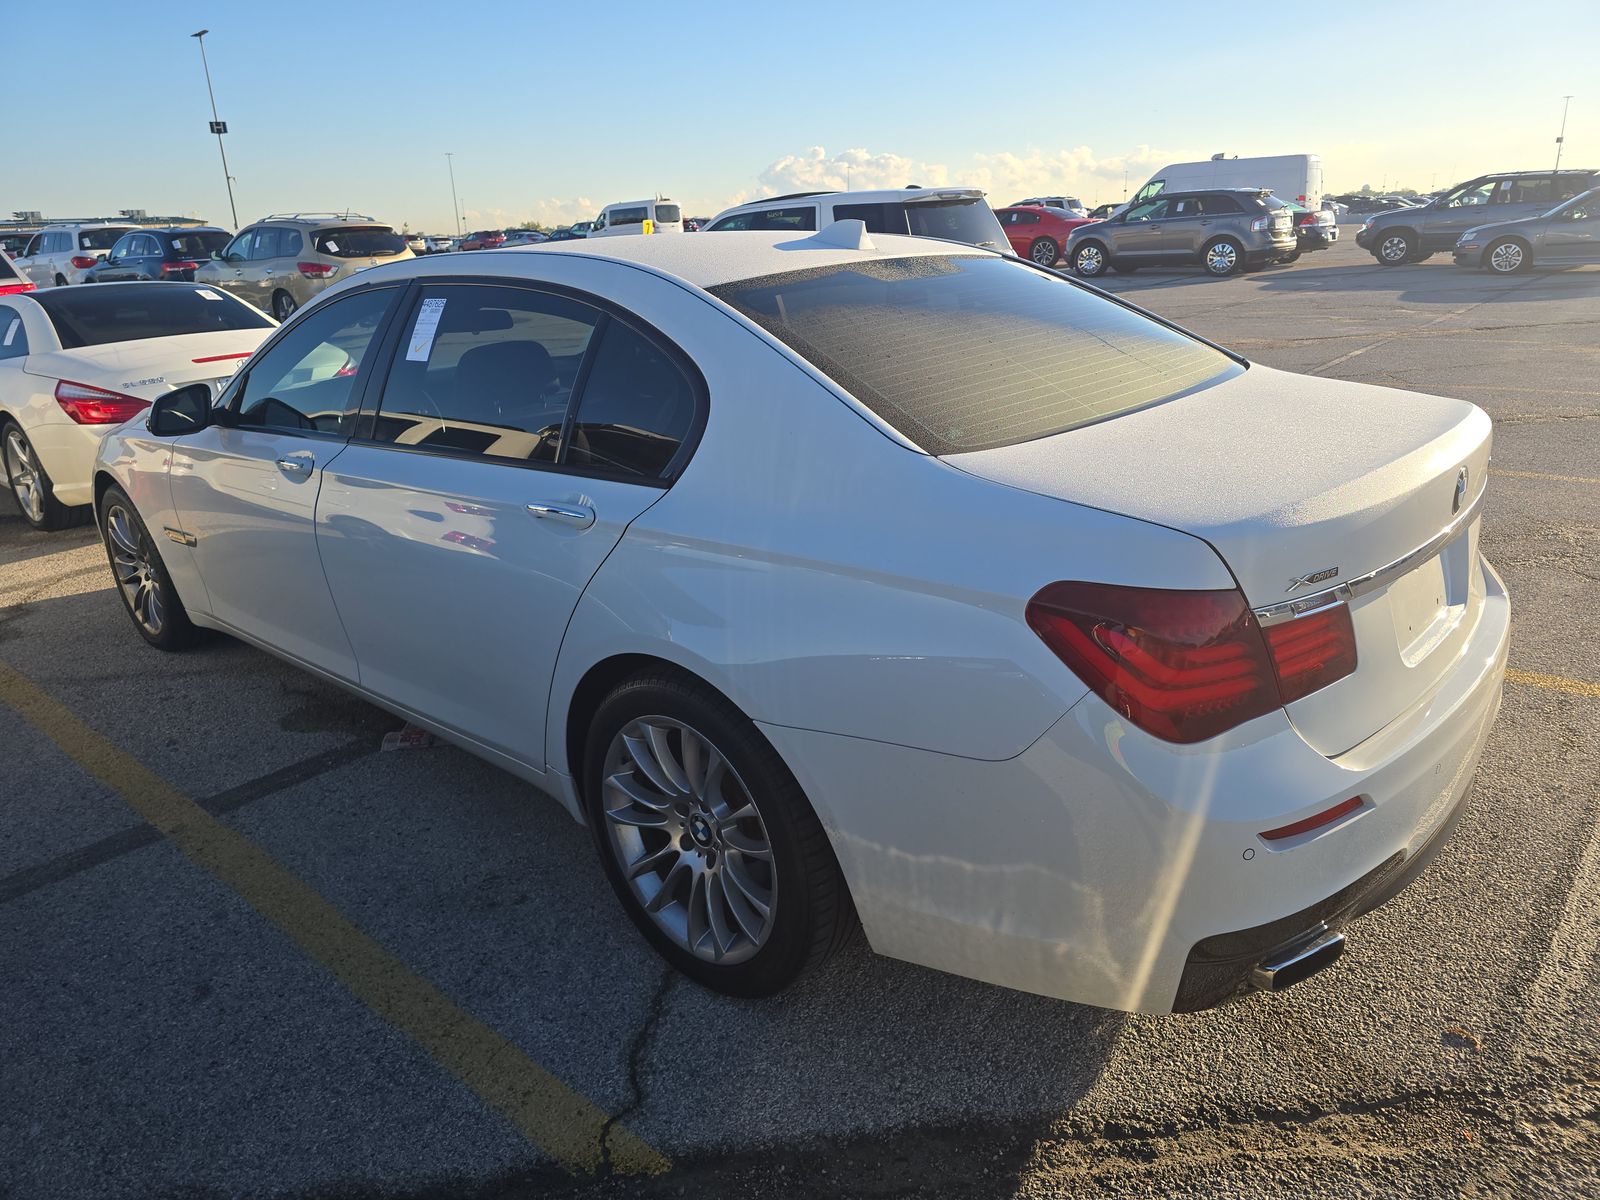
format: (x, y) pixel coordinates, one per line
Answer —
(1091, 261)
(1044, 253)
(1394, 249)
(1222, 258)
(132, 563)
(22, 473)
(1506, 258)
(690, 841)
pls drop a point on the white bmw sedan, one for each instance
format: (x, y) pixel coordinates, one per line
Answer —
(833, 579)
(76, 361)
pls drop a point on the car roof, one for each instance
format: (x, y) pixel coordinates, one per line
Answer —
(873, 196)
(708, 262)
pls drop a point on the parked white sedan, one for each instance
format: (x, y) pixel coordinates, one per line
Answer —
(826, 579)
(75, 361)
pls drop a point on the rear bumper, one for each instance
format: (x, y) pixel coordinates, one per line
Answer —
(1318, 238)
(1106, 867)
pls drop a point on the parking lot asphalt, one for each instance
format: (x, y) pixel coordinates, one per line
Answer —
(246, 952)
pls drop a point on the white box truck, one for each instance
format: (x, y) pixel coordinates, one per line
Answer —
(1296, 177)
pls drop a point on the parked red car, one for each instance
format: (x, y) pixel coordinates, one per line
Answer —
(484, 239)
(1037, 232)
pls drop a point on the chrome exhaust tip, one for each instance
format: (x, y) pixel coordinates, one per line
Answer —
(1285, 968)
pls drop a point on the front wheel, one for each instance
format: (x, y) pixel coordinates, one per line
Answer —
(708, 840)
(1223, 257)
(142, 580)
(1044, 251)
(1507, 257)
(1394, 248)
(283, 305)
(30, 484)
(1090, 260)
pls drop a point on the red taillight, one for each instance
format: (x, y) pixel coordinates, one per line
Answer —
(1312, 651)
(316, 270)
(1186, 666)
(95, 406)
(1307, 219)
(1316, 821)
(172, 268)
(11, 289)
(83, 261)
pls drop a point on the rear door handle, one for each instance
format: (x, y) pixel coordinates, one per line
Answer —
(297, 464)
(580, 515)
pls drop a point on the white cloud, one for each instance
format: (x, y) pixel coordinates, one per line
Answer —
(815, 170)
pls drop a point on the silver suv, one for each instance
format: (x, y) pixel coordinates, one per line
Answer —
(1409, 235)
(1221, 229)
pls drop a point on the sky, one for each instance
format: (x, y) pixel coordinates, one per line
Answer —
(552, 111)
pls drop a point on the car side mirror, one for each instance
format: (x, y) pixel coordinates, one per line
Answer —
(186, 410)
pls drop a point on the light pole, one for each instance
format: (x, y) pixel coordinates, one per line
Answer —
(1566, 103)
(455, 205)
(218, 126)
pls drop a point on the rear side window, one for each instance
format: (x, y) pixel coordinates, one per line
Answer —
(1222, 203)
(486, 370)
(13, 338)
(878, 218)
(626, 216)
(307, 379)
(969, 220)
(359, 241)
(198, 245)
(969, 353)
(636, 409)
(98, 316)
(99, 239)
(1535, 189)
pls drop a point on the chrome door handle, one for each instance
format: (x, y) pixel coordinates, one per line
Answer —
(299, 464)
(580, 515)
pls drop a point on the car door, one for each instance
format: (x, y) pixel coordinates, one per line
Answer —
(1461, 209)
(147, 257)
(1525, 196)
(227, 270)
(1573, 234)
(245, 488)
(116, 266)
(518, 433)
(1139, 234)
(1184, 229)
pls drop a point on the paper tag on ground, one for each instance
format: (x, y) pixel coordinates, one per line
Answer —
(409, 738)
(422, 332)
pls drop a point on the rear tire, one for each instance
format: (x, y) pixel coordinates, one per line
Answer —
(146, 589)
(283, 306)
(1044, 251)
(1222, 257)
(30, 484)
(1507, 256)
(692, 875)
(61, 281)
(1089, 260)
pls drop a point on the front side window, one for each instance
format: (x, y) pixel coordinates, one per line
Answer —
(802, 219)
(239, 248)
(13, 337)
(1470, 195)
(123, 248)
(968, 353)
(1153, 188)
(737, 222)
(636, 409)
(306, 381)
(1150, 210)
(95, 316)
(486, 370)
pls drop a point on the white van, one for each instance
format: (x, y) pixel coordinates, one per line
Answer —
(1296, 177)
(630, 216)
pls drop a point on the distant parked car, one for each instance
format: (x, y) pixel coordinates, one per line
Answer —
(416, 243)
(564, 235)
(524, 237)
(1101, 211)
(157, 254)
(1410, 235)
(286, 260)
(1312, 230)
(1070, 203)
(66, 361)
(10, 281)
(1566, 236)
(1037, 231)
(484, 239)
(60, 254)
(582, 228)
(436, 245)
(1223, 231)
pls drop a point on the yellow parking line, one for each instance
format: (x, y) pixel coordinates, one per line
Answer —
(1553, 683)
(1543, 475)
(546, 1111)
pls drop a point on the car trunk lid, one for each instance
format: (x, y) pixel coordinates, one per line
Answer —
(1302, 485)
(151, 367)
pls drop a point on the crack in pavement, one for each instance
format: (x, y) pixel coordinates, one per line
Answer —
(636, 1052)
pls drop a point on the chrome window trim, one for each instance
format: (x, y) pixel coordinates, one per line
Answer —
(1288, 610)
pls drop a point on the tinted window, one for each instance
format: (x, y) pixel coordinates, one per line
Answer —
(627, 216)
(307, 379)
(13, 338)
(147, 247)
(200, 245)
(359, 241)
(1187, 206)
(1535, 189)
(123, 248)
(94, 316)
(668, 213)
(263, 245)
(1221, 204)
(878, 218)
(1150, 210)
(486, 370)
(971, 221)
(637, 407)
(1469, 195)
(802, 219)
(240, 246)
(967, 353)
(98, 239)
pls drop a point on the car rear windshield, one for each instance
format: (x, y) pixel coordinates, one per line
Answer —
(359, 241)
(100, 239)
(971, 221)
(668, 213)
(98, 316)
(968, 353)
(198, 245)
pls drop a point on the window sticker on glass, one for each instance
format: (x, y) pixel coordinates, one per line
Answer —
(208, 294)
(421, 345)
(331, 246)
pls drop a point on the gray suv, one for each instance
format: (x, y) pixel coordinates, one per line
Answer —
(1221, 229)
(1409, 235)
